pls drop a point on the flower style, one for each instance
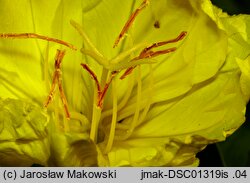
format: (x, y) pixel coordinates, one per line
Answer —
(151, 83)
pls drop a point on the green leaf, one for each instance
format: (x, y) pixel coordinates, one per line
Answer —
(235, 151)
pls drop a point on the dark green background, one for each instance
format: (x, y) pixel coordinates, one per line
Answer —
(233, 6)
(235, 151)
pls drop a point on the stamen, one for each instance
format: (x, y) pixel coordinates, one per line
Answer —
(63, 97)
(124, 100)
(56, 113)
(36, 36)
(178, 38)
(96, 115)
(52, 91)
(152, 54)
(130, 63)
(93, 75)
(101, 93)
(148, 53)
(58, 79)
(130, 21)
(104, 76)
(151, 92)
(57, 73)
(114, 119)
(105, 89)
(127, 72)
(137, 109)
(138, 102)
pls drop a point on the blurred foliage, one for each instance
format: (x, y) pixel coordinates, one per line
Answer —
(235, 151)
(233, 6)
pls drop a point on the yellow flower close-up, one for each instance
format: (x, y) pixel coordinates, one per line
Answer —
(119, 83)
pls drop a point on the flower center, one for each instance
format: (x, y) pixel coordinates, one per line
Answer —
(121, 65)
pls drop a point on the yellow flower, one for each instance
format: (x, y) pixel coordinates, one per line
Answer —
(161, 114)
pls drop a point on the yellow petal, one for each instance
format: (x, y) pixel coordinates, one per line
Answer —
(23, 133)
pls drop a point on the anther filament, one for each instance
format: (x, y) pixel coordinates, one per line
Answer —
(36, 36)
(130, 21)
(101, 92)
(149, 53)
(57, 78)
